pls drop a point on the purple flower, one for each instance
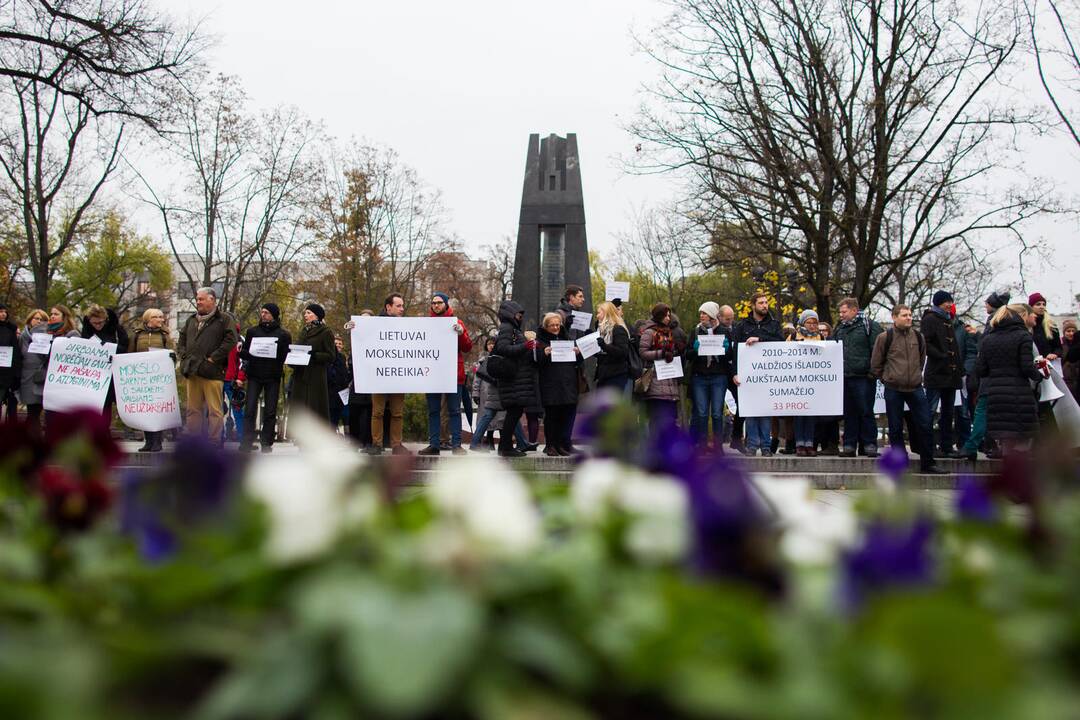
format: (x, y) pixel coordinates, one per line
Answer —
(890, 557)
(894, 463)
(973, 501)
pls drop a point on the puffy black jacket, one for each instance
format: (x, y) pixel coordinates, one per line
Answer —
(858, 337)
(944, 366)
(266, 369)
(9, 337)
(1006, 367)
(720, 364)
(615, 358)
(521, 389)
(111, 332)
(558, 380)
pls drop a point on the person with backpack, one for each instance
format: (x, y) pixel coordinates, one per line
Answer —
(897, 360)
(858, 333)
(944, 371)
(613, 364)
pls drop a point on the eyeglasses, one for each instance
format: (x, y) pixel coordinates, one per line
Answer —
(437, 302)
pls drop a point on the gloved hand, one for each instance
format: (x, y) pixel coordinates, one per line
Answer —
(668, 355)
(600, 341)
(1043, 366)
(530, 344)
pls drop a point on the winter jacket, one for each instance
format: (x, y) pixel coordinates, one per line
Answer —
(944, 368)
(1046, 345)
(567, 311)
(266, 369)
(214, 341)
(234, 369)
(10, 377)
(901, 368)
(711, 364)
(34, 366)
(558, 380)
(521, 389)
(614, 358)
(356, 398)
(1006, 367)
(144, 340)
(858, 337)
(484, 390)
(464, 344)
(111, 332)
(967, 345)
(1070, 364)
(338, 376)
(309, 387)
(656, 341)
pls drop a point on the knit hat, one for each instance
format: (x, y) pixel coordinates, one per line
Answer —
(318, 310)
(442, 296)
(940, 298)
(709, 308)
(273, 309)
(1036, 298)
(998, 300)
(617, 302)
(1068, 324)
(806, 315)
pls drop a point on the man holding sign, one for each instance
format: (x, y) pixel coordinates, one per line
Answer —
(263, 353)
(758, 326)
(440, 307)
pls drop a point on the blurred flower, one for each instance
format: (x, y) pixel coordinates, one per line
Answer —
(488, 504)
(890, 556)
(813, 531)
(670, 449)
(973, 501)
(90, 425)
(22, 447)
(71, 502)
(593, 486)
(893, 463)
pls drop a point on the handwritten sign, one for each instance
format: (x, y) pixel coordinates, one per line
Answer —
(404, 355)
(298, 355)
(669, 370)
(79, 374)
(263, 347)
(7, 355)
(617, 290)
(784, 379)
(588, 344)
(562, 351)
(146, 396)
(711, 345)
(581, 320)
(344, 395)
(879, 398)
(40, 343)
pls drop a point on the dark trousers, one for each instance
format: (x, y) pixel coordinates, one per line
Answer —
(922, 438)
(559, 425)
(859, 426)
(618, 382)
(506, 435)
(435, 404)
(360, 423)
(269, 390)
(8, 402)
(739, 421)
(33, 414)
(661, 413)
(945, 399)
(532, 422)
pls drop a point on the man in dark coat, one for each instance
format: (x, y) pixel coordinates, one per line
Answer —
(858, 333)
(203, 350)
(264, 373)
(517, 390)
(10, 363)
(758, 326)
(944, 372)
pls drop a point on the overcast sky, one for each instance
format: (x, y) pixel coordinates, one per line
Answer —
(457, 87)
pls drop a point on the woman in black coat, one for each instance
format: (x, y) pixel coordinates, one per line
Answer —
(11, 371)
(1006, 369)
(517, 390)
(309, 388)
(613, 362)
(558, 387)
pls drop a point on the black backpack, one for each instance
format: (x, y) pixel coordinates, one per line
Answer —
(636, 367)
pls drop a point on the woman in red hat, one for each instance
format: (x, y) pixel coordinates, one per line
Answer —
(1045, 333)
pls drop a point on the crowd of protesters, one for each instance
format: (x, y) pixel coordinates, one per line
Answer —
(954, 388)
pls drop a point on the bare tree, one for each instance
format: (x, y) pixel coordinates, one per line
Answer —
(811, 128)
(664, 245)
(1057, 58)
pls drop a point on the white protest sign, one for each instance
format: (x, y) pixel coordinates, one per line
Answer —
(1066, 410)
(732, 406)
(404, 355)
(669, 370)
(581, 320)
(40, 343)
(879, 398)
(562, 351)
(263, 347)
(298, 355)
(78, 375)
(588, 344)
(344, 395)
(783, 379)
(711, 345)
(1057, 366)
(146, 396)
(616, 289)
(7, 355)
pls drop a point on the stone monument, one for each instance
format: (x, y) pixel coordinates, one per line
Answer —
(551, 248)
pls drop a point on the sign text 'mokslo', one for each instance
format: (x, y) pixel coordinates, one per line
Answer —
(792, 378)
(404, 355)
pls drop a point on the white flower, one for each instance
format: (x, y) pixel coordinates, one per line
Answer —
(813, 531)
(487, 502)
(593, 486)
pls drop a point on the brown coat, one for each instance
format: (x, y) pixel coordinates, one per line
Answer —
(902, 368)
(144, 339)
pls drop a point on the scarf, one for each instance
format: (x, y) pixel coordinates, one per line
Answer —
(203, 319)
(859, 317)
(54, 327)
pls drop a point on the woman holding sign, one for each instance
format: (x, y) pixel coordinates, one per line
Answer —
(153, 335)
(309, 387)
(613, 362)
(559, 364)
(10, 362)
(36, 346)
(1006, 370)
(658, 346)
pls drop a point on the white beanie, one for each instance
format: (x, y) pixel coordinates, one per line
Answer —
(710, 308)
(806, 315)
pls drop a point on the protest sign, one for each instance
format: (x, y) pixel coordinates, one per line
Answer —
(404, 355)
(7, 355)
(581, 320)
(588, 344)
(879, 398)
(1066, 410)
(711, 345)
(263, 347)
(798, 378)
(344, 395)
(669, 370)
(78, 375)
(563, 351)
(732, 406)
(298, 355)
(617, 290)
(146, 396)
(40, 343)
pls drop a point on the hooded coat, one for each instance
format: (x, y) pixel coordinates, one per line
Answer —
(1006, 368)
(309, 388)
(521, 389)
(558, 380)
(944, 365)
